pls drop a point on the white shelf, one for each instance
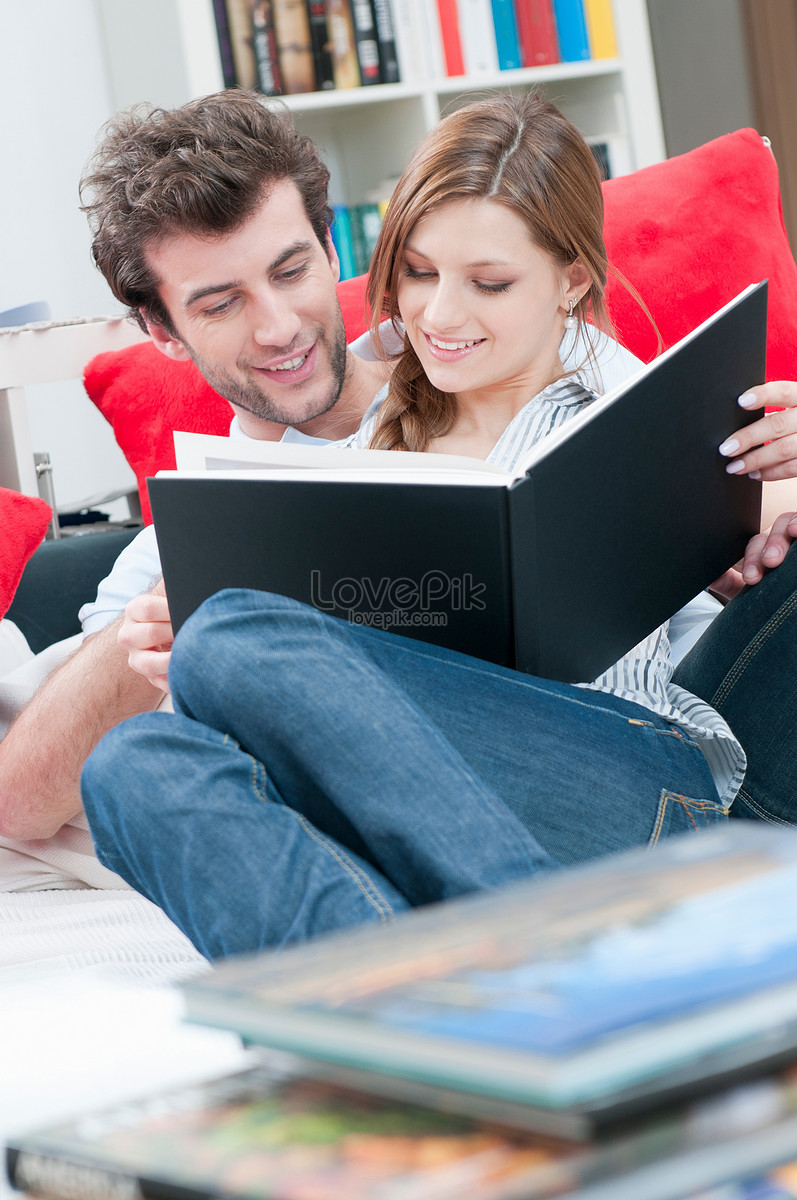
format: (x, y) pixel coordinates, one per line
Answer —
(367, 134)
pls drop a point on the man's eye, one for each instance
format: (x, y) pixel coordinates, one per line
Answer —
(218, 310)
(292, 273)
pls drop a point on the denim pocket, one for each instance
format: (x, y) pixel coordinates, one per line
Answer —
(682, 814)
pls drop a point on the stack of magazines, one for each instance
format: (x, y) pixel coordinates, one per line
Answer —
(627, 1029)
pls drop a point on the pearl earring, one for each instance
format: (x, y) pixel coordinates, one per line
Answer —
(571, 321)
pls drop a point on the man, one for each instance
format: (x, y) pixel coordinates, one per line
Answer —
(211, 223)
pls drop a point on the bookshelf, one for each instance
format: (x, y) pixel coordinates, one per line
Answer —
(368, 133)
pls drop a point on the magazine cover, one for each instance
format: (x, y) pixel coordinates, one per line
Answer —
(555, 992)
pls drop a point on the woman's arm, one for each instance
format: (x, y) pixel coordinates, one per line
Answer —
(768, 446)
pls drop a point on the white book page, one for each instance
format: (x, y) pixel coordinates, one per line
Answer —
(197, 453)
(421, 475)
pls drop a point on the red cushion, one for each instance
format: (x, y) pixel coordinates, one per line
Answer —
(23, 524)
(692, 232)
(689, 234)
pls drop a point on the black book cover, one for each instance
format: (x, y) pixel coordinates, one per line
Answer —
(225, 43)
(264, 38)
(388, 55)
(322, 50)
(367, 44)
(622, 517)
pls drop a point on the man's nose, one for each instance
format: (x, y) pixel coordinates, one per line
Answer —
(275, 322)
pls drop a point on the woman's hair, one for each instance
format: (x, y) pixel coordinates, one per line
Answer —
(521, 152)
(201, 169)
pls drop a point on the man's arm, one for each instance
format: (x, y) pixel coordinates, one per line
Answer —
(42, 754)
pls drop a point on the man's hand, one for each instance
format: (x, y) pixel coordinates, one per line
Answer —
(764, 551)
(767, 448)
(146, 634)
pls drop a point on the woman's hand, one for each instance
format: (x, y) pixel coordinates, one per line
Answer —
(764, 551)
(777, 459)
(146, 633)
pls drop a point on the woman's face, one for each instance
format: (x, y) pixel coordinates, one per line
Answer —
(483, 306)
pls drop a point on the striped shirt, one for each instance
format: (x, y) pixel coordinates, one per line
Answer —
(644, 674)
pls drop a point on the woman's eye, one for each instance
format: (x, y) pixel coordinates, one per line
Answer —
(414, 273)
(492, 288)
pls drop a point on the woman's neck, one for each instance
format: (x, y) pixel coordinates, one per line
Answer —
(483, 415)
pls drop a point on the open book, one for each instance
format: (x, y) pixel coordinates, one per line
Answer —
(601, 532)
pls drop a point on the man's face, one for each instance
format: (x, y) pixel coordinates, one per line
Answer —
(256, 310)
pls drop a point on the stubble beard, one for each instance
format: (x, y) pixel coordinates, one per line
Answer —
(248, 395)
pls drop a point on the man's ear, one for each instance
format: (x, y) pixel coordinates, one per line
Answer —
(169, 345)
(332, 255)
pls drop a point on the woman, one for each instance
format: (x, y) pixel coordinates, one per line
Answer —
(342, 774)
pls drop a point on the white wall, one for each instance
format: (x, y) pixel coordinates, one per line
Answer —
(54, 97)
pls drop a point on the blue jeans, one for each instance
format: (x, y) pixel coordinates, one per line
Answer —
(745, 666)
(316, 775)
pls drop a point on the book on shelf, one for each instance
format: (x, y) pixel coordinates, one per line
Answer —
(571, 30)
(343, 242)
(612, 154)
(284, 1129)
(584, 997)
(322, 49)
(366, 42)
(455, 551)
(386, 41)
(411, 48)
(239, 26)
(600, 28)
(366, 221)
(451, 38)
(264, 40)
(477, 31)
(225, 43)
(432, 38)
(506, 35)
(343, 43)
(294, 46)
(537, 32)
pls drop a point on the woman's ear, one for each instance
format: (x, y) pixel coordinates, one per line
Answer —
(577, 281)
(166, 342)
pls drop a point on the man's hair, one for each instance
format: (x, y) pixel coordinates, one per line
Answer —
(204, 169)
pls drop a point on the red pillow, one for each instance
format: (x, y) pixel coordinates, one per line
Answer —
(692, 232)
(23, 524)
(689, 234)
